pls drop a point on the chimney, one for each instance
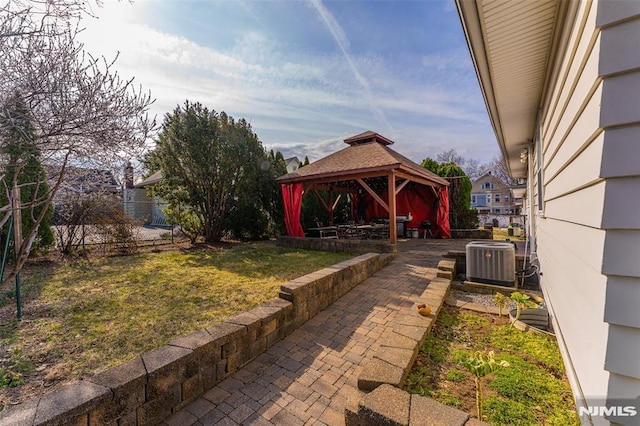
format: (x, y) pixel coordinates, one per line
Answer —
(128, 176)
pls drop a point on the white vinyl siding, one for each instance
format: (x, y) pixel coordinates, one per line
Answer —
(623, 294)
(580, 173)
(570, 243)
(620, 116)
(620, 157)
(588, 239)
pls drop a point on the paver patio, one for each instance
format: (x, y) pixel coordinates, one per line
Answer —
(311, 376)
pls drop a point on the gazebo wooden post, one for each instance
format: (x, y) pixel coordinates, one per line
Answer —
(391, 191)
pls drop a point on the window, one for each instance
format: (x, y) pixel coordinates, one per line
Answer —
(497, 198)
(497, 211)
(473, 199)
(488, 198)
(506, 198)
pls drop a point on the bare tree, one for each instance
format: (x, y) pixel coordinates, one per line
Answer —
(451, 156)
(498, 168)
(473, 168)
(80, 110)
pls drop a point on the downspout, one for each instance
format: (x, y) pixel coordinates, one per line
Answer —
(531, 222)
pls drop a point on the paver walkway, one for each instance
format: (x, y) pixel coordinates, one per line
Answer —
(311, 376)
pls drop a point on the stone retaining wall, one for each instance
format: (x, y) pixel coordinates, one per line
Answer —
(340, 246)
(152, 387)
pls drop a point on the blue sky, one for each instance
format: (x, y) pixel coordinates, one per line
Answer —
(307, 74)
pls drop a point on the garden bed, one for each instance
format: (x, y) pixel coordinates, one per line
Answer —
(532, 390)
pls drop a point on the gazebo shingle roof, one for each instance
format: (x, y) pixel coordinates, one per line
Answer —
(368, 153)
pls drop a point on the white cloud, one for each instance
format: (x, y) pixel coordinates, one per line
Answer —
(302, 103)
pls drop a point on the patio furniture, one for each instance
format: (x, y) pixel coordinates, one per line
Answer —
(427, 228)
(325, 232)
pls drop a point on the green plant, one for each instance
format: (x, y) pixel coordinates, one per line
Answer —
(456, 376)
(13, 368)
(523, 301)
(480, 364)
(9, 379)
(501, 301)
(503, 411)
(533, 390)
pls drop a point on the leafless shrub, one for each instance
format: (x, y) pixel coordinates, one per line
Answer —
(83, 219)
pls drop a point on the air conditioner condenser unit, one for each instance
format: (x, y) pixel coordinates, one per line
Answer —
(491, 262)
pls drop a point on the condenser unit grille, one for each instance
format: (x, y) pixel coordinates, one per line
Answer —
(491, 263)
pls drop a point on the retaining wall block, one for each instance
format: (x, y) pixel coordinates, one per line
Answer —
(226, 332)
(387, 405)
(222, 371)
(377, 372)
(206, 353)
(127, 383)
(285, 319)
(251, 322)
(20, 415)
(71, 404)
(155, 411)
(351, 418)
(226, 336)
(238, 358)
(428, 411)
(445, 274)
(129, 419)
(166, 369)
(416, 333)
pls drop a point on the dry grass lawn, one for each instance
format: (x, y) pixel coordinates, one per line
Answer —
(87, 316)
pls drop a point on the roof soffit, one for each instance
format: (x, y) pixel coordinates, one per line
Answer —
(511, 43)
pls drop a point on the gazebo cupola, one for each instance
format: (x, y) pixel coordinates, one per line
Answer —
(367, 137)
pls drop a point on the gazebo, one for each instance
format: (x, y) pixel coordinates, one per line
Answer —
(380, 183)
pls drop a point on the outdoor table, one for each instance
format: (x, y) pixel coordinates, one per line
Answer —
(325, 231)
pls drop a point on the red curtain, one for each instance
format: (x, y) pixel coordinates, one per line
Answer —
(292, 196)
(423, 205)
(420, 201)
(442, 217)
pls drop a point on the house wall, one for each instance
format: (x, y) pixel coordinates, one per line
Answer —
(620, 68)
(587, 229)
(484, 199)
(138, 205)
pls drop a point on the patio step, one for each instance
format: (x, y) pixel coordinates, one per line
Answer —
(447, 265)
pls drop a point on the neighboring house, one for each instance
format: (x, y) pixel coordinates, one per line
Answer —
(561, 82)
(137, 202)
(81, 180)
(293, 164)
(489, 195)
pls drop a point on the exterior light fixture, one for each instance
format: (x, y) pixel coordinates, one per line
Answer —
(524, 155)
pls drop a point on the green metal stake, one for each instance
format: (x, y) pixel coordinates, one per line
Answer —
(4, 264)
(18, 300)
(6, 249)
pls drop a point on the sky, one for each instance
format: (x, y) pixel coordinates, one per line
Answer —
(306, 74)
